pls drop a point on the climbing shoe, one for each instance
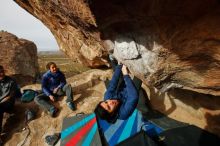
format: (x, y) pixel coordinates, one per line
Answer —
(51, 140)
(71, 105)
(53, 111)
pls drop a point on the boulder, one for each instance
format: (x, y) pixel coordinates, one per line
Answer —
(173, 46)
(186, 106)
(18, 57)
(168, 44)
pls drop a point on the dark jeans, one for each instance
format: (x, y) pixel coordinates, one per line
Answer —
(5, 107)
(44, 101)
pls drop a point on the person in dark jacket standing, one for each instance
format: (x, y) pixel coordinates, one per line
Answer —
(54, 85)
(121, 98)
(9, 90)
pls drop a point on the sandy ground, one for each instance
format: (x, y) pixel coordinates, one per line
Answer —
(88, 89)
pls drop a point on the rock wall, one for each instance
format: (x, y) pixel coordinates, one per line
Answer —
(88, 89)
(18, 57)
(168, 44)
(188, 106)
(73, 26)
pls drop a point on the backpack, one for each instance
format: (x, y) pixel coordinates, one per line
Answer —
(28, 95)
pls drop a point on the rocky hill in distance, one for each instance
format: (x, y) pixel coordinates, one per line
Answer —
(50, 53)
(68, 66)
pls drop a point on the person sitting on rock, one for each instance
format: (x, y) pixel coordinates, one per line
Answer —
(9, 91)
(54, 85)
(121, 97)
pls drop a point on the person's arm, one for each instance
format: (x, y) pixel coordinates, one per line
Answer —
(113, 83)
(62, 80)
(132, 99)
(45, 89)
(129, 106)
(12, 91)
(5, 99)
(44, 86)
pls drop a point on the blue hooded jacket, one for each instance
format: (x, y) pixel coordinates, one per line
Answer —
(51, 81)
(126, 93)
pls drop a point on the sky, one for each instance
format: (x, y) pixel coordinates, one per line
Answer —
(19, 22)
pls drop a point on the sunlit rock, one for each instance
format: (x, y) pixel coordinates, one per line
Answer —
(172, 44)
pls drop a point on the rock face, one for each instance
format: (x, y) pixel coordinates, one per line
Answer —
(168, 44)
(18, 57)
(189, 107)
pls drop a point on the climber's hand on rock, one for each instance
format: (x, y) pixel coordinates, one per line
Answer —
(124, 70)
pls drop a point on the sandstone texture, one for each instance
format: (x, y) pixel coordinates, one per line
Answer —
(173, 46)
(18, 57)
(188, 106)
(168, 44)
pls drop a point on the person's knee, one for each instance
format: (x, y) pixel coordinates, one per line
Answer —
(67, 87)
(37, 99)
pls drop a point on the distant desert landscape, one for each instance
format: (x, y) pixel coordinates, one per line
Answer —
(65, 64)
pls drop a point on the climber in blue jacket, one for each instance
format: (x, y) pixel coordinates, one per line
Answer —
(121, 97)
